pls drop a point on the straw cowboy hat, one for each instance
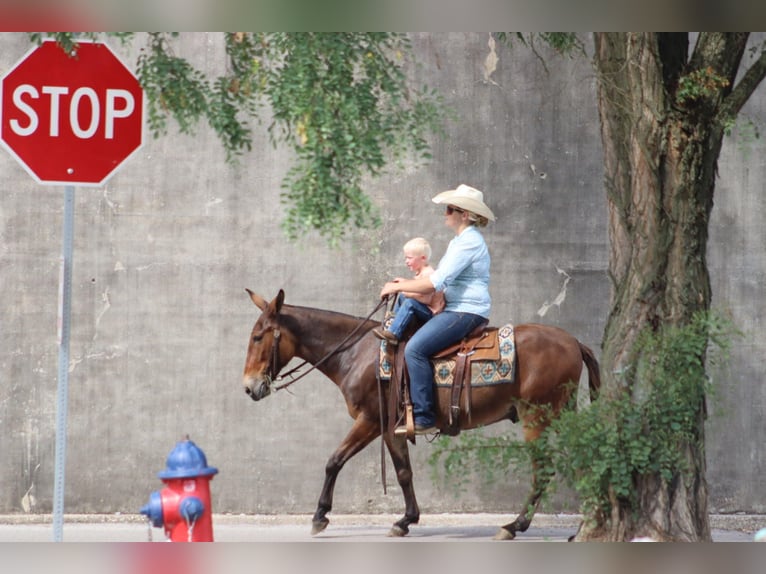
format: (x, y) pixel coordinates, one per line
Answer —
(467, 198)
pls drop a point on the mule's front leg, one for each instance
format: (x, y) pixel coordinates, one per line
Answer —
(361, 434)
(397, 448)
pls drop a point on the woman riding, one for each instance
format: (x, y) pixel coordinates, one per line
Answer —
(463, 276)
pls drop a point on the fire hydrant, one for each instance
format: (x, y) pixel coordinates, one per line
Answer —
(183, 507)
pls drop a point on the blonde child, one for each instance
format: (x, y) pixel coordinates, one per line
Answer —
(417, 253)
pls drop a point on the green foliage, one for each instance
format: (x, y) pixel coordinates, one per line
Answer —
(341, 101)
(747, 132)
(172, 86)
(699, 84)
(600, 451)
(490, 456)
(563, 43)
(66, 40)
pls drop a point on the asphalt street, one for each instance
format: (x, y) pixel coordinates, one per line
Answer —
(342, 528)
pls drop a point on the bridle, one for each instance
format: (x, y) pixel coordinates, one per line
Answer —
(273, 375)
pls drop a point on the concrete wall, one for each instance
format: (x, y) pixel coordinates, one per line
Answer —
(160, 320)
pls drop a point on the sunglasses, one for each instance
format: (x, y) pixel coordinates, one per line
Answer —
(451, 210)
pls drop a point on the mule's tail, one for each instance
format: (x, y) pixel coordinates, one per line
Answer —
(594, 373)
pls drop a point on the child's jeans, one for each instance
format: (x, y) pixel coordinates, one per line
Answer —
(404, 311)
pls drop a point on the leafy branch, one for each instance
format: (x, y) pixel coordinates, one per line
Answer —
(343, 102)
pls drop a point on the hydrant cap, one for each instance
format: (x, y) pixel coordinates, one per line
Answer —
(186, 460)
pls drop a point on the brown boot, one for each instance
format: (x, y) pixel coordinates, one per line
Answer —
(385, 335)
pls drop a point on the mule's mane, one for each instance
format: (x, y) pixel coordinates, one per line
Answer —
(312, 322)
(320, 332)
(300, 312)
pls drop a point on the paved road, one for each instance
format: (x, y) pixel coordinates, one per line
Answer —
(441, 544)
(342, 528)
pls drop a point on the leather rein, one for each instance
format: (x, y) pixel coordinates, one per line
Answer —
(275, 377)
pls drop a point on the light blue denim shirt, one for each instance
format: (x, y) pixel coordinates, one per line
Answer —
(463, 274)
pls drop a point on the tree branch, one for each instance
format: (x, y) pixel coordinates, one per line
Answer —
(745, 88)
(722, 51)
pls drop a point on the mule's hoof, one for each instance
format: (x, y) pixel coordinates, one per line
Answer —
(397, 532)
(504, 534)
(318, 526)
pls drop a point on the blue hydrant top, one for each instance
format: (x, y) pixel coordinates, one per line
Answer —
(186, 460)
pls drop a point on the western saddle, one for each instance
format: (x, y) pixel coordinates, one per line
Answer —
(479, 345)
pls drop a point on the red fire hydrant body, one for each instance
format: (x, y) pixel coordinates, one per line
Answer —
(183, 508)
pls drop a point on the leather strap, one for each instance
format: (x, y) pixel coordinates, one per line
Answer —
(462, 365)
(382, 412)
(467, 384)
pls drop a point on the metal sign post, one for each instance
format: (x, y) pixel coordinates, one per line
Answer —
(62, 391)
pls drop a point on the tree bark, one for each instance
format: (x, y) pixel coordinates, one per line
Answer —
(660, 158)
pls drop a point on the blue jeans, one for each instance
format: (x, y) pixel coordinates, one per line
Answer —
(404, 311)
(442, 330)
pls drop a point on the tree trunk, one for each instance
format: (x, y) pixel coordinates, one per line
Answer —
(661, 153)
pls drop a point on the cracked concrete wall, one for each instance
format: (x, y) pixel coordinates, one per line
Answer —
(160, 319)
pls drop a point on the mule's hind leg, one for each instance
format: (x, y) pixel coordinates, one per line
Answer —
(361, 434)
(524, 519)
(397, 448)
(533, 428)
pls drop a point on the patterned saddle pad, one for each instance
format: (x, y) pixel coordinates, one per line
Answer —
(483, 373)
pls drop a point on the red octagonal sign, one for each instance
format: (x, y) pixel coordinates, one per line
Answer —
(71, 119)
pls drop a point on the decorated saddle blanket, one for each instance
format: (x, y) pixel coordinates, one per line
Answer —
(487, 368)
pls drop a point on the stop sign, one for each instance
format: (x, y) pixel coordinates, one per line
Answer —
(71, 119)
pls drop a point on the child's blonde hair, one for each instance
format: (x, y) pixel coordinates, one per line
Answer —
(419, 246)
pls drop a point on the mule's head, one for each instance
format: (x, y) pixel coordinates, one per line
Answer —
(268, 348)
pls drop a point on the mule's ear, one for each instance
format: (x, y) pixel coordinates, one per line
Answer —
(259, 301)
(276, 304)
